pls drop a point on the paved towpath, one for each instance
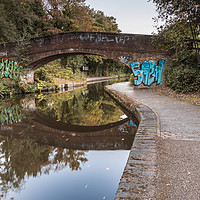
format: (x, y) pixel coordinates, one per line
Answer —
(177, 146)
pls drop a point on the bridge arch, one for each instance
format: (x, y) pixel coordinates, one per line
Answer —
(48, 59)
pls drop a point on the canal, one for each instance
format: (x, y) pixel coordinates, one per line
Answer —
(70, 145)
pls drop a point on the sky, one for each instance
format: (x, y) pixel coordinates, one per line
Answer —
(132, 16)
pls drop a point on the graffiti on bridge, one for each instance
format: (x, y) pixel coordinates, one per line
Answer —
(147, 72)
(9, 69)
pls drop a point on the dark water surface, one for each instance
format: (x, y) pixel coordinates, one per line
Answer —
(63, 146)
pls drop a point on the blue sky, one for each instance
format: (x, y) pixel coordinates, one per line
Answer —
(133, 16)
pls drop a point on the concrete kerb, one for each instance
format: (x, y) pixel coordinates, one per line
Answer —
(138, 179)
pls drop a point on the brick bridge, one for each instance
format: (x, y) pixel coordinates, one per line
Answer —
(117, 46)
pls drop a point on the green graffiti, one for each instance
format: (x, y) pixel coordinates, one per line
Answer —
(9, 69)
(11, 114)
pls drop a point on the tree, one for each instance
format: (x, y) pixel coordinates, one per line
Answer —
(18, 17)
(21, 20)
(181, 28)
(104, 23)
(181, 22)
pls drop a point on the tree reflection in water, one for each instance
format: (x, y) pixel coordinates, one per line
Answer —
(11, 111)
(21, 159)
(77, 107)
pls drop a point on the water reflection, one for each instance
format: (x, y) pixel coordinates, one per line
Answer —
(21, 159)
(10, 112)
(85, 106)
(46, 138)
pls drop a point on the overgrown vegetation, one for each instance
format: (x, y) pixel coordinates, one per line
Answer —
(183, 75)
(180, 33)
(8, 87)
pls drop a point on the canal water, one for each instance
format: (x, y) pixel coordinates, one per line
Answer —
(71, 145)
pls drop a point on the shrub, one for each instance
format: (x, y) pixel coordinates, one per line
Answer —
(9, 87)
(42, 74)
(131, 79)
(183, 75)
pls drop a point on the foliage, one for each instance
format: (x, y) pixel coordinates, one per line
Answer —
(180, 32)
(73, 62)
(131, 79)
(42, 75)
(69, 68)
(97, 65)
(58, 69)
(27, 18)
(183, 75)
(104, 23)
(9, 87)
(20, 49)
(10, 114)
(173, 38)
(24, 19)
(181, 21)
(17, 17)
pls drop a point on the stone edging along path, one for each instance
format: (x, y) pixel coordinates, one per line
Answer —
(138, 179)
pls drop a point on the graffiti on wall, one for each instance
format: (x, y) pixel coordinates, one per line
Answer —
(147, 72)
(9, 69)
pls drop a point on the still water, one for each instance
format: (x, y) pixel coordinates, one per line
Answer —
(70, 145)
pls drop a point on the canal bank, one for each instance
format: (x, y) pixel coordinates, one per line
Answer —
(91, 80)
(165, 156)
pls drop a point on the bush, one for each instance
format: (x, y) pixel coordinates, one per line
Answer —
(8, 87)
(183, 75)
(42, 74)
(131, 79)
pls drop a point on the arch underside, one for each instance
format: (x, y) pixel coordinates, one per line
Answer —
(42, 61)
(122, 57)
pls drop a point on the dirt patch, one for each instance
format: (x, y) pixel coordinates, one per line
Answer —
(193, 97)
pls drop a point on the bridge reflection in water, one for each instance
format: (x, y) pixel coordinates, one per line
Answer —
(45, 130)
(39, 139)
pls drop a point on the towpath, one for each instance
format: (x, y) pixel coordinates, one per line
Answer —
(176, 152)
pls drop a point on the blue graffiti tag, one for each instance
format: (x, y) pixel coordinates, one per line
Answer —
(147, 72)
